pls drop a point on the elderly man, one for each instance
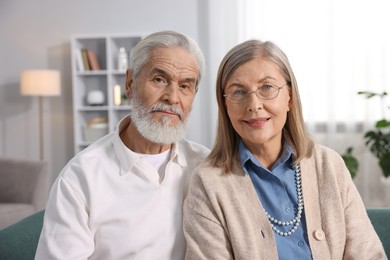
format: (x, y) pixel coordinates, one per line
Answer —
(121, 198)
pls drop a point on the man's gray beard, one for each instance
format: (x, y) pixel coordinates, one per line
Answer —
(157, 132)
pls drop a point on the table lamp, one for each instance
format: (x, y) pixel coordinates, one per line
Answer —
(40, 83)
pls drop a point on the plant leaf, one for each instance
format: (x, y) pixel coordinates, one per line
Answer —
(384, 163)
(367, 94)
(350, 162)
(382, 123)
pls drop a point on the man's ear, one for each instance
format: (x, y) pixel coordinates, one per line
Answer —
(129, 82)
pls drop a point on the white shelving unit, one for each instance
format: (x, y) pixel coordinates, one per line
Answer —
(106, 48)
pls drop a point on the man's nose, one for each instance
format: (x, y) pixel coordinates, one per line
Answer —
(171, 93)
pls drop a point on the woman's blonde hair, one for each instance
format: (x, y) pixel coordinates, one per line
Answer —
(225, 149)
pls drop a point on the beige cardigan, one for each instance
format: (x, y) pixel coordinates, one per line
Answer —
(223, 217)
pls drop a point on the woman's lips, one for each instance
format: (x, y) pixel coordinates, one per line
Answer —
(257, 122)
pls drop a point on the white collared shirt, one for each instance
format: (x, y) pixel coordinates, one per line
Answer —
(108, 203)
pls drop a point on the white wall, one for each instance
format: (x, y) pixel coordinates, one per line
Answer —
(36, 35)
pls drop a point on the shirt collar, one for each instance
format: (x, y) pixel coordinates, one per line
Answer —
(177, 155)
(246, 155)
(128, 158)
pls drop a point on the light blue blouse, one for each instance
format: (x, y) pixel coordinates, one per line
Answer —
(277, 193)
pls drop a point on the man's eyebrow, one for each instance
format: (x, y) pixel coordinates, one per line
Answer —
(191, 80)
(158, 71)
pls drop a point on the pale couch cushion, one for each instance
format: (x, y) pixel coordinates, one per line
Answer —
(13, 212)
(24, 188)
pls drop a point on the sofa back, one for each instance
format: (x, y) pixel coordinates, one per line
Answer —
(380, 219)
(24, 181)
(20, 241)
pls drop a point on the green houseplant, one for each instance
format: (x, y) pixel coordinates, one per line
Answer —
(377, 140)
(351, 162)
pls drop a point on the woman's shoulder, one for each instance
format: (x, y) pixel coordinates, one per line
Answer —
(326, 162)
(208, 175)
(215, 185)
(207, 171)
(325, 152)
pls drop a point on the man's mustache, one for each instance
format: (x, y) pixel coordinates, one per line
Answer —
(168, 108)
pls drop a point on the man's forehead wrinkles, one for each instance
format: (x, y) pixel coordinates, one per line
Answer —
(178, 65)
(158, 70)
(168, 63)
(171, 72)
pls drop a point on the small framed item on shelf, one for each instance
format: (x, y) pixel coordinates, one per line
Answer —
(117, 95)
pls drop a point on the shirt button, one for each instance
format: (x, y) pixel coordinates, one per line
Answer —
(300, 244)
(319, 234)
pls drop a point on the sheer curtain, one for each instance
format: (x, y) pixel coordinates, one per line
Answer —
(336, 48)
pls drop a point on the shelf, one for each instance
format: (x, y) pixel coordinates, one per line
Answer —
(106, 48)
(92, 73)
(120, 108)
(92, 108)
(119, 72)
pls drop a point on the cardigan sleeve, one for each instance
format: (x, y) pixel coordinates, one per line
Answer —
(351, 223)
(337, 220)
(205, 234)
(362, 242)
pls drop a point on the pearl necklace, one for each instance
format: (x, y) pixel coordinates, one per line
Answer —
(297, 219)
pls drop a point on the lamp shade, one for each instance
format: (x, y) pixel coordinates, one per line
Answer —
(40, 83)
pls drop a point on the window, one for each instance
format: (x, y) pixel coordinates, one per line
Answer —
(336, 48)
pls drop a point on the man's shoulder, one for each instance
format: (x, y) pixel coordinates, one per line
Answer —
(190, 148)
(95, 153)
(97, 147)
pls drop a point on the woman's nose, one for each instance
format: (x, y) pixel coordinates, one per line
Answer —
(254, 102)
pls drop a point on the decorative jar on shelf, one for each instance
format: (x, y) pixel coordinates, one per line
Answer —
(95, 98)
(123, 59)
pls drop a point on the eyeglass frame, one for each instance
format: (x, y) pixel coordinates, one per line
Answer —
(227, 95)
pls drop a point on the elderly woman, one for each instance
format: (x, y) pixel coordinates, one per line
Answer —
(267, 191)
